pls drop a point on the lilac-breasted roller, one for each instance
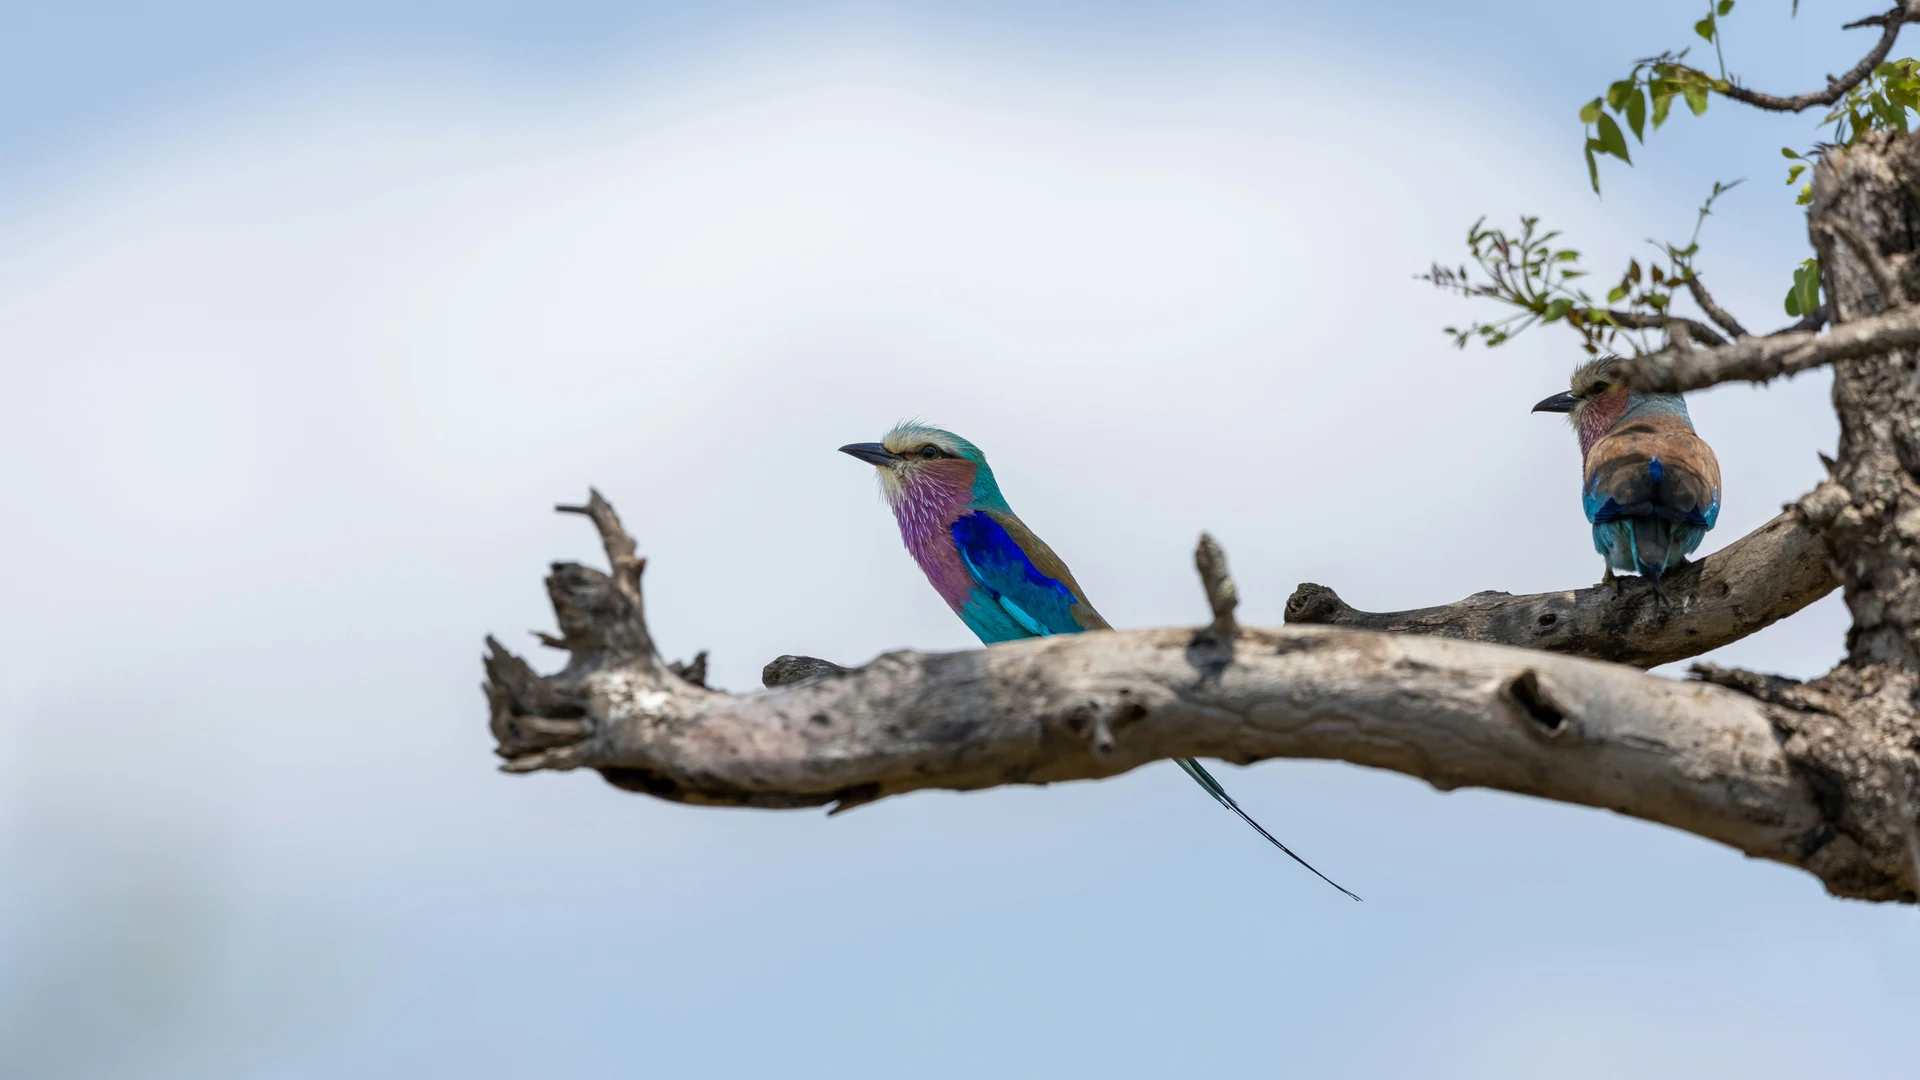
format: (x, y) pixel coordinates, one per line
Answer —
(1650, 485)
(1004, 582)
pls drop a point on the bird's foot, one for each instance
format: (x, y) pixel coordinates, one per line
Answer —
(1661, 601)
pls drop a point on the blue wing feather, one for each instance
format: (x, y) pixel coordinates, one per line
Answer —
(1037, 603)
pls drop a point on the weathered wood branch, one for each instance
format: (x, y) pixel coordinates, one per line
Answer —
(1754, 582)
(1698, 757)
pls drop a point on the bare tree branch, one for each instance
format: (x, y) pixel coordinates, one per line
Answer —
(1698, 757)
(1714, 311)
(1836, 89)
(1634, 320)
(1754, 582)
(1760, 359)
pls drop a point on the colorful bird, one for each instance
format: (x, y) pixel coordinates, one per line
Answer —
(1650, 485)
(1004, 582)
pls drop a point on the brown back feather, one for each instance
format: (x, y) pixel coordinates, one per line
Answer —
(1618, 461)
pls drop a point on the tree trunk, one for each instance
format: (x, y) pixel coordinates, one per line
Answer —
(1855, 734)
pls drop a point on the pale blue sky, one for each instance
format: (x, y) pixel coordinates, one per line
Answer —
(308, 314)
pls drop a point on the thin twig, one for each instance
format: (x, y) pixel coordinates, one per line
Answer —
(622, 552)
(1634, 320)
(1718, 314)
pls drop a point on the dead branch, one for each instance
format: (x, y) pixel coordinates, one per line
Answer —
(1720, 316)
(1222, 595)
(1698, 757)
(1754, 582)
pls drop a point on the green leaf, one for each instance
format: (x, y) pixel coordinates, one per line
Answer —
(1616, 294)
(1806, 195)
(1661, 103)
(1633, 271)
(1788, 153)
(1726, 7)
(1593, 168)
(1612, 140)
(1637, 113)
(1556, 309)
(1590, 112)
(1617, 94)
(1696, 98)
(1804, 297)
(1794, 173)
(1704, 28)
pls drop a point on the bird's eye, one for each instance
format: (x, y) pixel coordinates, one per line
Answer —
(930, 451)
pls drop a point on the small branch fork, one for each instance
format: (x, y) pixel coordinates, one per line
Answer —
(1891, 22)
(1456, 713)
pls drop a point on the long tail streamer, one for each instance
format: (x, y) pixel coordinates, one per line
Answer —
(1205, 779)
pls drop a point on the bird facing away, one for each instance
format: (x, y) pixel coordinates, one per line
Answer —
(1004, 582)
(1650, 485)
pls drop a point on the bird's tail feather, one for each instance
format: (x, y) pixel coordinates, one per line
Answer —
(1205, 779)
(1651, 543)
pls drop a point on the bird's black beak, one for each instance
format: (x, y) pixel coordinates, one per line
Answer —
(1564, 402)
(871, 452)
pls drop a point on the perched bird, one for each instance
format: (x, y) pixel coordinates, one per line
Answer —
(1650, 485)
(1004, 582)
